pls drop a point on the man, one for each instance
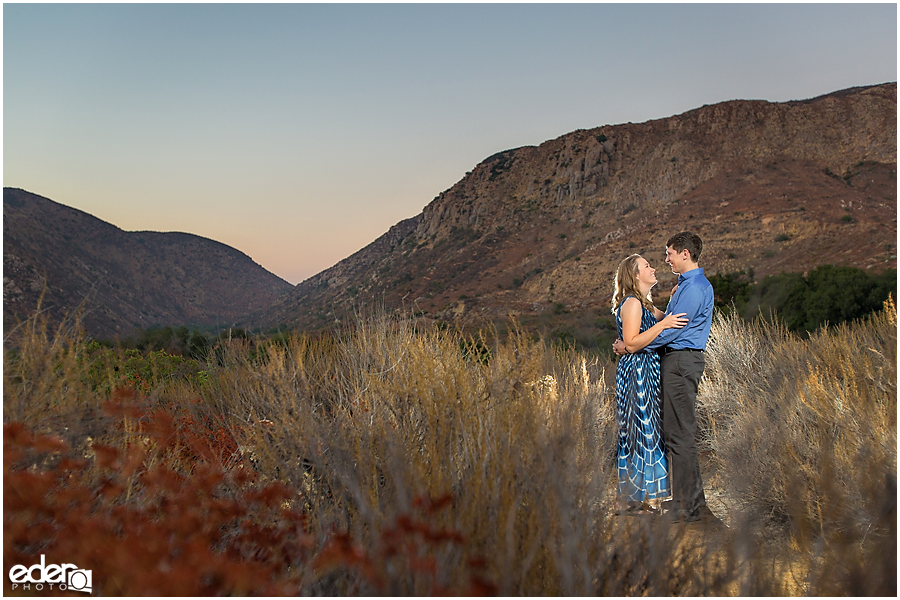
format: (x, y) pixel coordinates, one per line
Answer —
(682, 364)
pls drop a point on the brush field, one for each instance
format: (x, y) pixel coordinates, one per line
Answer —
(391, 460)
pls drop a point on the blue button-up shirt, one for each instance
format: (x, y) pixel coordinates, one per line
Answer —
(694, 296)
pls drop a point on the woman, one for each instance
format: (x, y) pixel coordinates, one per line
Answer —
(642, 464)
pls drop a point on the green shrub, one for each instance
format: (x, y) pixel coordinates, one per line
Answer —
(827, 294)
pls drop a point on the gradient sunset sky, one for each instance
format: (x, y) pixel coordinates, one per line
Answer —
(299, 133)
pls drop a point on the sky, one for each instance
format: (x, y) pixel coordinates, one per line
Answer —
(299, 133)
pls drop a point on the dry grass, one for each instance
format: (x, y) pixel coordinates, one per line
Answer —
(803, 440)
(411, 462)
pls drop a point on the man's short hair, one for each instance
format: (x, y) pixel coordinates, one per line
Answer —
(686, 240)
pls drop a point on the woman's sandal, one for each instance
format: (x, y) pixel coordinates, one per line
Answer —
(637, 510)
(627, 510)
(643, 509)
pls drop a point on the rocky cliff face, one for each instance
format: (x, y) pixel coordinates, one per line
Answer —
(539, 231)
(125, 280)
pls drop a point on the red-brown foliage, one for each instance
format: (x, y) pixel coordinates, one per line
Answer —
(175, 511)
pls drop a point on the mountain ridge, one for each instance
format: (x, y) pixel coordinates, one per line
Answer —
(127, 279)
(534, 228)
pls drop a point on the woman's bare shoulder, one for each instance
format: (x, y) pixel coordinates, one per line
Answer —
(631, 305)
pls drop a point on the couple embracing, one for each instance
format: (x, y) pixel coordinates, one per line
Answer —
(661, 361)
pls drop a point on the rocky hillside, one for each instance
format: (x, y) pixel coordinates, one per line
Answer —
(537, 232)
(126, 280)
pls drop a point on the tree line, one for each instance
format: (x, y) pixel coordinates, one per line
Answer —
(827, 295)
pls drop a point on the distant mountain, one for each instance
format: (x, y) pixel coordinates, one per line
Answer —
(537, 232)
(126, 279)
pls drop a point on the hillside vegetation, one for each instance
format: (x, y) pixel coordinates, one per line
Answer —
(827, 295)
(385, 459)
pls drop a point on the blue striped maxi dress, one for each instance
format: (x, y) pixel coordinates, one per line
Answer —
(643, 467)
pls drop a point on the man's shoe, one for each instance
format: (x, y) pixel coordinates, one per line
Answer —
(710, 519)
(681, 516)
(690, 517)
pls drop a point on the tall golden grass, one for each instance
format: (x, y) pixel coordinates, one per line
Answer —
(802, 435)
(411, 461)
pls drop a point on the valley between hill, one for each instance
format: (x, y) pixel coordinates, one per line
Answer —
(531, 234)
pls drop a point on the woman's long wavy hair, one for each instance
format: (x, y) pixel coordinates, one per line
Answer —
(627, 285)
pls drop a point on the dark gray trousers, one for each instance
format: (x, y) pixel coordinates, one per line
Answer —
(680, 375)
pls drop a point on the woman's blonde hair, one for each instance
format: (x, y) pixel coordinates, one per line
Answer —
(627, 285)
